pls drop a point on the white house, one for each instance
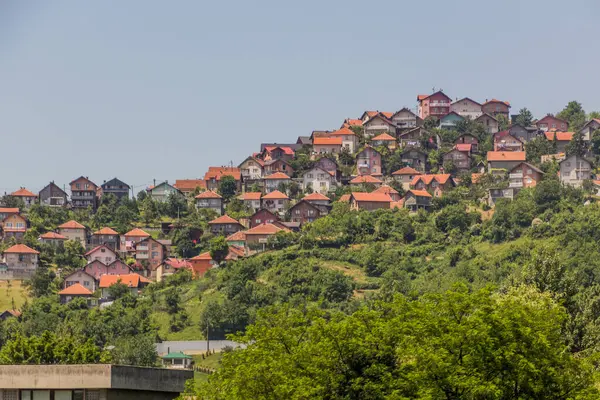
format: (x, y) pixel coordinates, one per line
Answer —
(319, 180)
(574, 170)
(467, 108)
(273, 181)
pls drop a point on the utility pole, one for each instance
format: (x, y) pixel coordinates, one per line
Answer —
(207, 337)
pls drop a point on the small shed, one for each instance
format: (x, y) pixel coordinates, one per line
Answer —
(177, 360)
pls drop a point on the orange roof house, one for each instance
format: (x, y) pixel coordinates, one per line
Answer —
(71, 225)
(130, 280)
(436, 183)
(416, 199)
(76, 289)
(560, 136)
(365, 179)
(369, 201)
(213, 176)
(316, 196)
(53, 235)
(189, 185)
(20, 249)
(406, 171)
(209, 194)
(276, 175)
(390, 191)
(383, 137)
(137, 232)
(22, 192)
(327, 141)
(106, 231)
(275, 195)
(503, 161)
(248, 196)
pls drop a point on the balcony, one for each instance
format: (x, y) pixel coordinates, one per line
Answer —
(516, 176)
(515, 184)
(142, 248)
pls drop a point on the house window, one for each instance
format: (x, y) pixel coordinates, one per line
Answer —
(86, 283)
(567, 164)
(258, 221)
(554, 125)
(297, 212)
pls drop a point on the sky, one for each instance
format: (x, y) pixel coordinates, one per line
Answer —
(144, 89)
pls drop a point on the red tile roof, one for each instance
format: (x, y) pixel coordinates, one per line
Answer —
(131, 280)
(463, 147)
(53, 235)
(14, 313)
(365, 179)
(209, 194)
(475, 177)
(263, 229)
(106, 231)
(353, 122)
(560, 136)
(98, 247)
(239, 236)
(397, 204)
(224, 219)
(9, 210)
(422, 97)
(178, 263)
(21, 249)
(372, 197)
(137, 232)
(345, 198)
(315, 196)
(189, 185)
(506, 156)
(71, 225)
(277, 175)
(420, 193)
(287, 150)
(275, 195)
(250, 196)
(506, 103)
(384, 137)
(406, 171)
(76, 289)
(218, 172)
(327, 141)
(344, 131)
(386, 190)
(427, 179)
(23, 193)
(202, 257)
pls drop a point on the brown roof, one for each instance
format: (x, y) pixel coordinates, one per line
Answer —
(53, 235)
(506, 103)
(277, 175)
(365, 179)
(263, 229)
(560, 136)
(406, 171)
(315, 196)
(250, 196)
(353, 122)
(372, 197)
(427, 179)
(224, 219)
(98, 247)
(137, 232)
(386, 189)
(189, 185)
(345, 198)
(106, 231)
(23, 193)
(71, 225)
(76, 289)
(21, 249)
(275, 195)
(209, 194)
(239, 236)
(506, 156)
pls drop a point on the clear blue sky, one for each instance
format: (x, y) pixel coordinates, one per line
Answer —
(155, 89)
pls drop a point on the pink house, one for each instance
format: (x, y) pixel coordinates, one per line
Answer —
(368, 162)
(434, 105)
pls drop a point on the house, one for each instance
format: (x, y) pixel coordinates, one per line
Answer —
(450, 120)
(105, 236)
(349, 139)
(574, 170)
(237, 239)
(7, 212)
(101, 253)
(405, 119)
(14, 226)
(97, 268)
(26, 196)
(413, 137)
(277, 152)
(496, 107)
(489, 122)
(304, 140)
(385, 140)
(327, 145)
(405, 176)
(275, 181)
(210, 200)
(273, 166)
(134, 282)
(263, 216)
(4, 315)
(588, 129)
(53, 239)
(189, 186)
(467, 108)
(562, 139)
(75, 291)
(460, 157)
(328, 164)
(390, 191)
(437, 183)
(80, 277)
(225, 225)
(495, 194)
(349, 122)
(415, 200)
(550, 122)
(317, 199)
(252, 168)
(73, 230)
(504, 141)
(524, 134)
(177, 360)
(116, 187)
(212, 178)
(466, 138)
(558, 157)
(257, 237)
(367, 115)
(502, 161)
(304, 211)
(203, 262)
(20, 262)
(128, 240)
(169, 267)
(318, 180)
(433, 105)
(524, 175)
(251, 200)
(162, 191)
(378, 124)
(52, 196)
(84, 193)
(415, 158)
(275, 202)
(369, 201)
(366, 180)
(368, 161)
(150, 253)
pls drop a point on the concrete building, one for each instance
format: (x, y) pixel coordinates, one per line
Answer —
(91, 381)
(73, 230)
(467, 108)
(52, 196)
(574, 170)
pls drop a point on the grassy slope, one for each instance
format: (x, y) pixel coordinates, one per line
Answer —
(16, 291)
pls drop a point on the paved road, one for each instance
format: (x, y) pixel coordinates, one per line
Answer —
(193, 346)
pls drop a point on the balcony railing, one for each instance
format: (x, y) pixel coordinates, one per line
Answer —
(516, 175)
(515, 184)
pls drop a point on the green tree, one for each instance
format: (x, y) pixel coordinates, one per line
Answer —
(71, 256)
(431, 122)
(227, 187)
(219, 249)
(148, 210)
(577, 145)
(525, 117)
(594, 115)
(503, 122)
(135, 350)
(574, 114)
(118, 290)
